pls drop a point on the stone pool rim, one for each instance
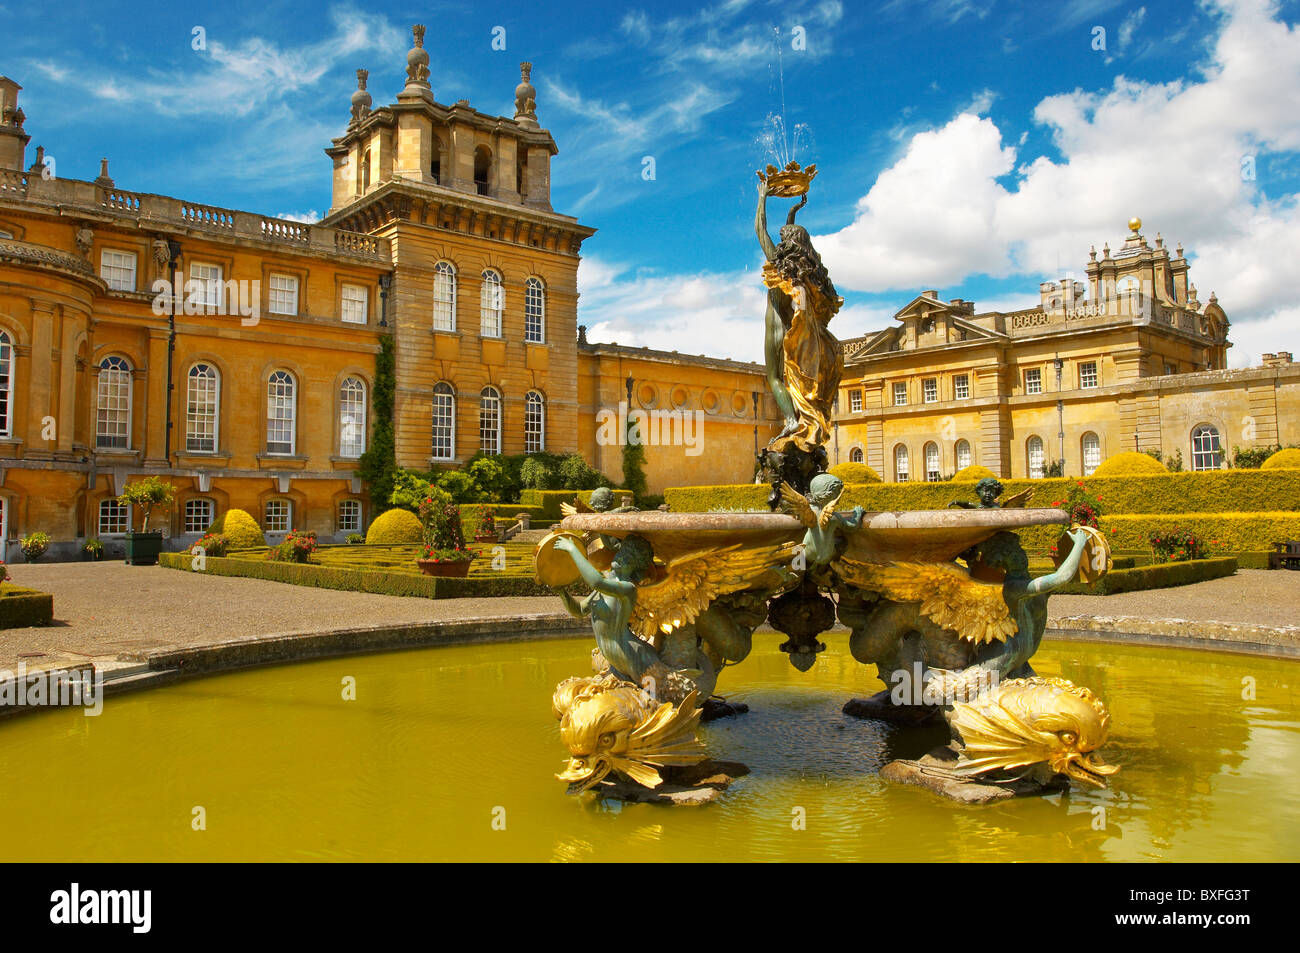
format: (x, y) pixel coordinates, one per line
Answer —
(162, 666)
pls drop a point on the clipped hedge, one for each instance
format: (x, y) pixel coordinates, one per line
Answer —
(1158, 576)
(395, 526)
(1283, 459)
(1129, 463)
(547, 502)
(361, 580)
(239, 528)
(472, 513)
(1209, 491)
(21, 607)
(855, 473)
(1227, 532)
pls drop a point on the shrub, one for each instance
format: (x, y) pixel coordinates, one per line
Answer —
(974, 472)
(34, 546)
(354, 539)
(1178, 545)
(490, 480)
(240, 530)
(214, 544)
(574, 474)
(1158, 576)
(534, 474)
(378, 465)
(855, 473)
(296, 548)
(1084, 507)
(409, 490)
(4, 571)
(395, 526)
(1129, 463)
(1283, 460)
(458, 485)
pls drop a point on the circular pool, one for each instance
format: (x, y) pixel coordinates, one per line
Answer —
(450, 754)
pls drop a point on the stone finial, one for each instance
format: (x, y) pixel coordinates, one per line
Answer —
(1160, 240)
(1180, 249)
(582, 334)
(1105, 250)
(525, 95)
(104, 180)
(39, 165)
(417, 60)
(1092, 253)
(361, 99)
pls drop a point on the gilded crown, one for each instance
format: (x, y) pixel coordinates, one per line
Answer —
(788, 182)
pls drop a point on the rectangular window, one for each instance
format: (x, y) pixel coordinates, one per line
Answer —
(961, 386)
(284, 294)
(117, 268)
(279, 514)
(114, 518)
(350, 516)
(1088, 374)
(930, 390)
(356, 301)
(855, 401)
(198, 515)
(900, 393)
(205, 284)
(1034, 380)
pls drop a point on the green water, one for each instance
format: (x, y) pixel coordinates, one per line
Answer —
(440, 741)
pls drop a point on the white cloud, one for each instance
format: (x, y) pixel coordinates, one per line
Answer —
(1170, 153)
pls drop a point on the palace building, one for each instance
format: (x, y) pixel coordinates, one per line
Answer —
(234, 353)
(1131, 361)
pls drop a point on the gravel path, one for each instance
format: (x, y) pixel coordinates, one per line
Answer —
(107, 608)
(1251, 597)
(103, 609)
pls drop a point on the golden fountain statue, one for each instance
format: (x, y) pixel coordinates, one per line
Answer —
(940, 601)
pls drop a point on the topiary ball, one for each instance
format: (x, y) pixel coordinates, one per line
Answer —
(240, 529)
(395, 527)
(855, 473)
(974, 473)
(1283, 460)
(1129, 463)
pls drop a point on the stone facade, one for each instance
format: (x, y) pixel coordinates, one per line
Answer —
(1132, 362)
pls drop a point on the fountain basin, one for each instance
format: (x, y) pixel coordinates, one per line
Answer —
(907, 536)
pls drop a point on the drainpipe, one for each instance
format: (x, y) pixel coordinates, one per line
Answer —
(174, 258)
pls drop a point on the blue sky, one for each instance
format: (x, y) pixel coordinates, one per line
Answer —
(973, 148)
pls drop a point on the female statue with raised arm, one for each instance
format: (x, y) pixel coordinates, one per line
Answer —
(804, 360)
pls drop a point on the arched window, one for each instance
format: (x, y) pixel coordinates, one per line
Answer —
(900, 464)
(6, 385)
(113, 405)
(202, 408)
(444, 421)
(932, 474)
(1206, 452)
(444, 296)
(1036, 458)
(534, 422)
(482, 169)
(963, 454)
(281, 413)
(352, 418)
(491, 304)
(534, 311)
(1091, 453)
(855, 455)
(489, 421)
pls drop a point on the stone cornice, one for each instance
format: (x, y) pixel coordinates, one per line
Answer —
(50, 259)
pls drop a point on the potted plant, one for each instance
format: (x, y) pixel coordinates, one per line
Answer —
(444, 552)
(34, 546)
(487, 527)
(93, 550)
(142, 548)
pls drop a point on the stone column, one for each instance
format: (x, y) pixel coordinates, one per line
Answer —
(40, 383)
(155, 435)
